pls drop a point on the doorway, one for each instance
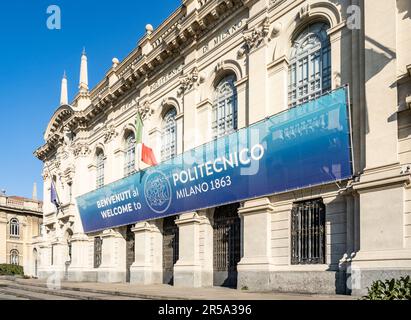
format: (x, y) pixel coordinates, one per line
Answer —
(227, 245)
(130, 251)
(170, 249)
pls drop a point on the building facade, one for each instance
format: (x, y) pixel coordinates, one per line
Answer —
(214, 67)
(20, 226)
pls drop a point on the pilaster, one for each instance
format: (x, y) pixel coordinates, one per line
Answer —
(147, 267)
(256, 264)
(113, 266)
(187, 270)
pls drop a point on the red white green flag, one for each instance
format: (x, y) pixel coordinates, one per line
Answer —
(144, 153)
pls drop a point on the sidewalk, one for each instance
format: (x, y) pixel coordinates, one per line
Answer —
(165, 292)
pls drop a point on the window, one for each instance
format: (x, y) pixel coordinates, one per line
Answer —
(130, 155)
(14, 258)
(309, 73)
(308, 233)
(100, 169)
(225, 107)
(169, 135)
(14, 228)
(98, 244)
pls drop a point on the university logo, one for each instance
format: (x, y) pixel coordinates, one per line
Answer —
(157, 191)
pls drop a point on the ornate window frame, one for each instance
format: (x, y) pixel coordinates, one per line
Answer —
(309, 73)
(14, 228)
(169, 134)
(225, 106)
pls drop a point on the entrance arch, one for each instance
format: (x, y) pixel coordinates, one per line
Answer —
(226, 245)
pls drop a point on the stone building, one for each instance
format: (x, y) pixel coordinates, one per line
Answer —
(213, 67)
(20, 225)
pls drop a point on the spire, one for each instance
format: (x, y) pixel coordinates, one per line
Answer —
(64, 91)
(83, 73)
(34, 197)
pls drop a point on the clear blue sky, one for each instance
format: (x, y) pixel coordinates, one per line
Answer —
(32, 61)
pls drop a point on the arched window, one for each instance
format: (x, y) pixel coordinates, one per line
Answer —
(169, 135)
(100, 169)
(130, 155)
(225, 107)
(310, 65)
(14, 227)
(14, 257)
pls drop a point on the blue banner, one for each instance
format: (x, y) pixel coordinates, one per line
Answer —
(305, 146)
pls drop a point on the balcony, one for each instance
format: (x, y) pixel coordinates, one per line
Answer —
(21, 204)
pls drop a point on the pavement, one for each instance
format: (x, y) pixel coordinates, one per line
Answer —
(39, 290)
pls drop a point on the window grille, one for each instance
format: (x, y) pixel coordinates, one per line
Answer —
(308, 233)
(98, 245)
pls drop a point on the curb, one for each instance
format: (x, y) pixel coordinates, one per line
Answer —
(108, 292)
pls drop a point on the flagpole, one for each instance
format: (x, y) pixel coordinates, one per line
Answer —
(139, 137)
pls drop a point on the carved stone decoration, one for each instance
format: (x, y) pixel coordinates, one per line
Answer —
(305, 11)
(145, 110)
(254, 37)
(67, 136)
(190, 80)
(46, 175)
(57, 163)
(110, 133)
(81, 150)
(69, 173)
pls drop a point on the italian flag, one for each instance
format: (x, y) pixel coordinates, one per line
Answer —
(144, 153)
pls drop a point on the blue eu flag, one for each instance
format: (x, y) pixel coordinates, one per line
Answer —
(53, 196)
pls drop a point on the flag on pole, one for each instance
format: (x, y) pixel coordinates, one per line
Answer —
(147, 156)
(144, 153)
(53, 195)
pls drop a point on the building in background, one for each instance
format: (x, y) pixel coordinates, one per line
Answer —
(214, 67)
(20, 225)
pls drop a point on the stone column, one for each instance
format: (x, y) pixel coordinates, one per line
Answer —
(187, 270)
(44, 268)
(81, 267)
(147, 267)
(255, 266)
(113, 266)
(59, 253)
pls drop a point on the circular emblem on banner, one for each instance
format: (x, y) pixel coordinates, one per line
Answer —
(157, 190)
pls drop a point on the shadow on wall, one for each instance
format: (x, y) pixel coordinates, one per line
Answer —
(378, 57)
(404, 9)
